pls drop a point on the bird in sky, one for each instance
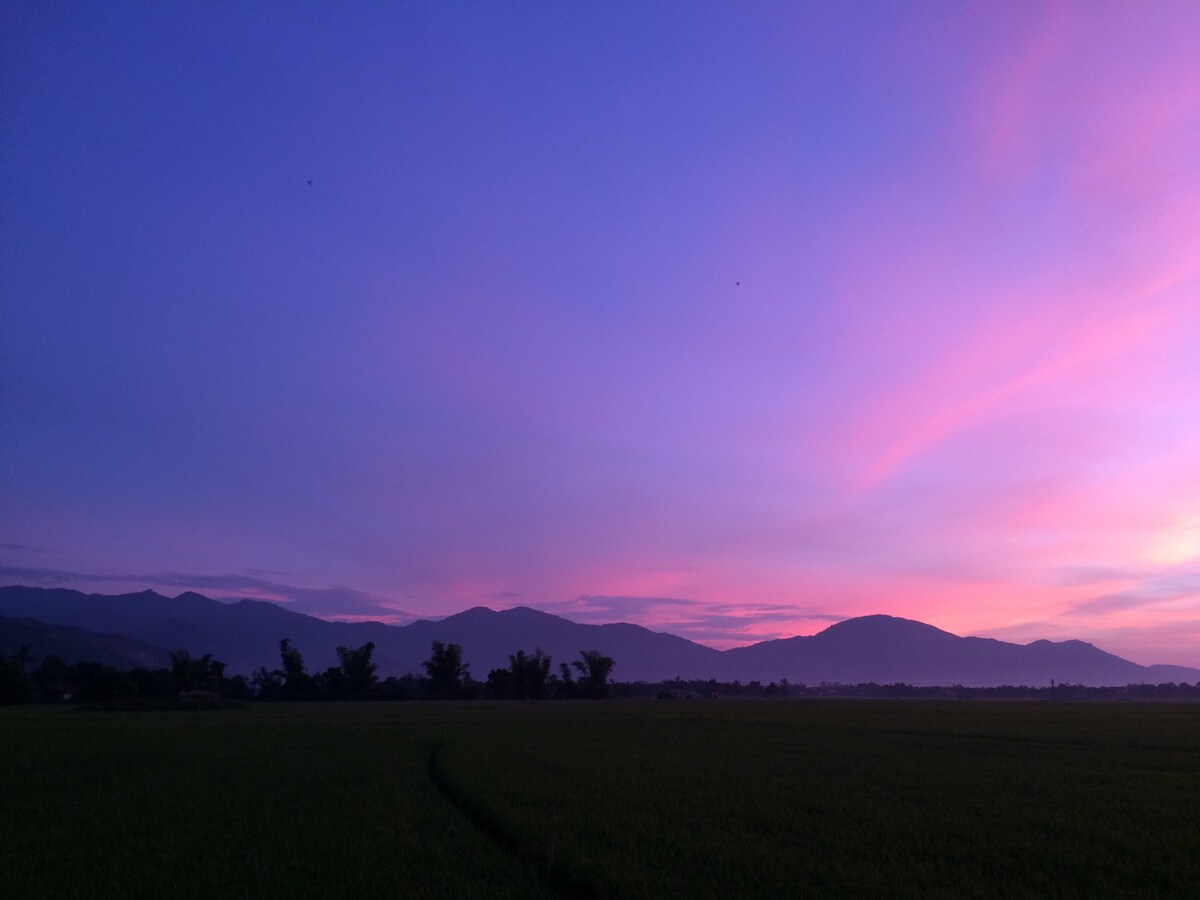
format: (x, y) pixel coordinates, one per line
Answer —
(310, 182)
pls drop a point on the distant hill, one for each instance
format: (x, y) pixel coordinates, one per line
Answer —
(887, 649)
(488, 637)
(74, 645)
(243, 635)
(246, 635)
(884, 649)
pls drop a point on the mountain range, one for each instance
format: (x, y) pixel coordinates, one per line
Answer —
(246, 635)
(79, 645)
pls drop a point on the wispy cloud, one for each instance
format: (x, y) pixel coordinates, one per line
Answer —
(717, 624)
(1146, 641)
(1081, 575)
(1153, 619)
(1170, 588)
(23, 548)
(931, 350)
(1007, 99)
(27, 575)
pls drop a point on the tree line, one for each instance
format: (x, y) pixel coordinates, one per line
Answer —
(686, 689)
(188, 680)
(195, 681)
(447, 677)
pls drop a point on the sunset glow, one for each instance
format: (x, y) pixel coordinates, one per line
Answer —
(728, 320)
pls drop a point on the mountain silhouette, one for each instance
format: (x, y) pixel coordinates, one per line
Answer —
(73, 645)
(488, 637)
(879, 648)
(245, 635)
(886, 649)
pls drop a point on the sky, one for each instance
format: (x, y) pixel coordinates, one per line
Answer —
(730, 320)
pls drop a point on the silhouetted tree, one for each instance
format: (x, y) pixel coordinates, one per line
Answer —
(97, 682)
(566, 687)
(529, 674)
(297, 683)
(24, 656)
(293, 662)
(500, 684)
(594, 668)
(237, 688)
(15, 684)
(47, 679)
(404, 687)
(357, 670)
(203, 674)
(267, 684)
(446, 670)
(156, 684)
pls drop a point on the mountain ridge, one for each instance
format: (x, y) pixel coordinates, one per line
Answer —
(75, 645)
(885, 649)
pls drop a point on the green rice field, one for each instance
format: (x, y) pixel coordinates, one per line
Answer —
(608, 799)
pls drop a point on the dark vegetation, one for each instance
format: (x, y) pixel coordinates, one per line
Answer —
(682, 689)
(746, 798)
(197, 682)
(188, 682)
(201, 681)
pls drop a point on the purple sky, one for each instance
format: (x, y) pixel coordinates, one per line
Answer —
(498, 353)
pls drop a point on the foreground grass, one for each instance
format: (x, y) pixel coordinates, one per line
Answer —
(295, 801)
(853, 800)
(641, 799)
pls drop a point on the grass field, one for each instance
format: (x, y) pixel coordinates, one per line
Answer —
(632, 799)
